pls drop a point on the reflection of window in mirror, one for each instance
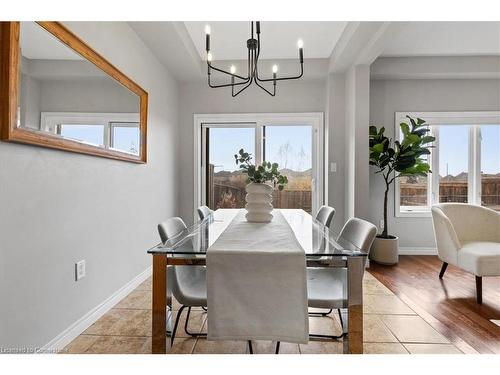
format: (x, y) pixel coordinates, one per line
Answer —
(90, 134)
(125, 137)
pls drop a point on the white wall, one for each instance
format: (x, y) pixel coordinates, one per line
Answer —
(390, 96)
(199, 98)
(58, 207)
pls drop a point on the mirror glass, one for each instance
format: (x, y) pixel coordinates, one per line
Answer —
(64, 95)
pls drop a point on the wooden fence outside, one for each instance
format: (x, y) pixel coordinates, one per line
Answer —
(227, 196)
(452, 191)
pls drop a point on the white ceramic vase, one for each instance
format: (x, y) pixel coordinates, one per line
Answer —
(259, 203)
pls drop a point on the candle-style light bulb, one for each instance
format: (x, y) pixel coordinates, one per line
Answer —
(275, 69)
(232, 69)
(207, 38)
(300, 44)
(209, 56)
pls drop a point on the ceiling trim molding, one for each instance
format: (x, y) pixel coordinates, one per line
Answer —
(442, 67)
(360, 44)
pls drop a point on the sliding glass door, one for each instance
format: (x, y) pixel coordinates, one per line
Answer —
(294, 143)
(291, 147)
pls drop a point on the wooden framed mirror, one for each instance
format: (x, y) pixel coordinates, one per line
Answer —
(57, 92)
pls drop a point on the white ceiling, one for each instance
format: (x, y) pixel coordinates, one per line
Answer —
(444, 39)
(278, 39)
(39, 44)
(180, 46)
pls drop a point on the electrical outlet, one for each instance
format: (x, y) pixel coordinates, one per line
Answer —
(333, 167)
(381, 224)
(79, 270)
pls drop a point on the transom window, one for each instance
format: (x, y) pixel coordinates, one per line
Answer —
(465, 162)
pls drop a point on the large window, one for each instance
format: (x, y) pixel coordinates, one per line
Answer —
(465, 162)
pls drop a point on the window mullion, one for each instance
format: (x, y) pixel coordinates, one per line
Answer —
(434, 180)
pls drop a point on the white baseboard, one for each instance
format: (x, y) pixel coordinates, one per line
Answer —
(417, 251)
(74, 330)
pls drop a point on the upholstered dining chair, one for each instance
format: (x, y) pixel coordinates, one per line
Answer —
(325, 286)
(325, 215)
(203, 212)
(188, 284)
(468, 237)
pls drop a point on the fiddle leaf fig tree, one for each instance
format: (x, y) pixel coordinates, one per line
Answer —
(266, 172)
(394, 159)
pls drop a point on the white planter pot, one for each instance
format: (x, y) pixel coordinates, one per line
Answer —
(385, 251)
(259, 203)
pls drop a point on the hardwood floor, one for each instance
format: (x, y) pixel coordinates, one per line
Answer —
(448, 305)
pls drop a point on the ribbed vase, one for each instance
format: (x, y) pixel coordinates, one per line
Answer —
(259, 203)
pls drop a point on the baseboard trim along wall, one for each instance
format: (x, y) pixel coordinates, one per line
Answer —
(73, 331)
(417, 251)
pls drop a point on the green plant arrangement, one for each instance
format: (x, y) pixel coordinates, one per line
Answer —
(394, 159)
(267, 172)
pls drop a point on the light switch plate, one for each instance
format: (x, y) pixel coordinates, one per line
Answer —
(79, 270)
(333, 167)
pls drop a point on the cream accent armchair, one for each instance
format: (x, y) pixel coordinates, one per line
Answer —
(468, 237)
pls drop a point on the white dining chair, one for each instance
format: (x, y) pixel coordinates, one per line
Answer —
(325, 286)
(203, 212)
(325, 215)
(189, 284)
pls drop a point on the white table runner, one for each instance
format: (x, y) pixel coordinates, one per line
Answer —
(257, 283)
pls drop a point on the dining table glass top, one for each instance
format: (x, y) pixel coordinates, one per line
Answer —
(315, 239)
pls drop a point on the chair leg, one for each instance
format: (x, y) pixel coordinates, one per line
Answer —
(250, 348)
(314, 313)
(443, 270)
(341, 321)
(179, 313)
(186, 326)
(277, 348)
(479, 289)
(331, 337)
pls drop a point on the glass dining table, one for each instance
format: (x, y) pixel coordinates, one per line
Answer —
(323, 248)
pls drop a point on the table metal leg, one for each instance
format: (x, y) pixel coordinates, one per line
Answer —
(159, 308)
(353, 322)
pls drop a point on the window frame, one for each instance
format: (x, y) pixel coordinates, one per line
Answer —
(314, 119)
(51, 121)
(472, 119)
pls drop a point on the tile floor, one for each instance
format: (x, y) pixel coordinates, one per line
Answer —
(390, 327)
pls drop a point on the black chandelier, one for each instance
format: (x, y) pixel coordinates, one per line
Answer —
(241, 83)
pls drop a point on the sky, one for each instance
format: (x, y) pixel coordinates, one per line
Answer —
(454, 149)
(289, 146)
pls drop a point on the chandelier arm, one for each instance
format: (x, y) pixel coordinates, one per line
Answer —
(225, 72)
(250, 64)
(244, 87)
(283, 78)
(266, 90)
(226, 84)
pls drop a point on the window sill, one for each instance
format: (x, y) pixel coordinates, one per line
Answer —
(415, 213)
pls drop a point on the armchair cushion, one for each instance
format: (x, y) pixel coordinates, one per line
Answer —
(480, 258)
